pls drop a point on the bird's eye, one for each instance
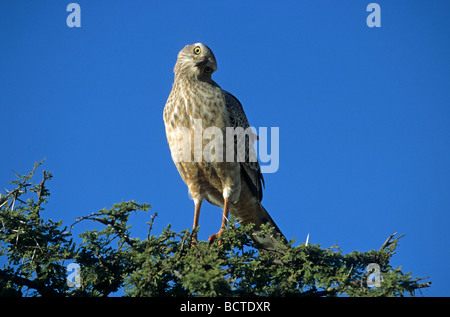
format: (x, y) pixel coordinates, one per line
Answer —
(197, 50)
(208, 69)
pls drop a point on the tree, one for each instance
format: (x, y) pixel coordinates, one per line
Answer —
(37, 251)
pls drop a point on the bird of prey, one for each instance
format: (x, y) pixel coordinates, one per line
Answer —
(196, 103)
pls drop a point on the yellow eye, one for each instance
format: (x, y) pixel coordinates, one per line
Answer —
(197, 50)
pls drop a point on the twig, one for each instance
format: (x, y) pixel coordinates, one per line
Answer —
(36, 165)
(388, 241)
(96, 217)
(79, 219)
(5, 198)
(11, 206)
(21, 185)
(422, 285)
(151, 224)
(41, 186)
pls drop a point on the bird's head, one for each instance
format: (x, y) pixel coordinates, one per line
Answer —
(196, 60)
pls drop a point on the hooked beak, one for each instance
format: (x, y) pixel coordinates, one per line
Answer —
(201, 63)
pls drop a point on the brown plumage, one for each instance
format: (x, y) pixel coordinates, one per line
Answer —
(195, 107)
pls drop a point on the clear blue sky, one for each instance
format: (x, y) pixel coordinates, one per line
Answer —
(363, 113)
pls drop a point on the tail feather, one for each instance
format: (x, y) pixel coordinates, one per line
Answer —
(269, 242)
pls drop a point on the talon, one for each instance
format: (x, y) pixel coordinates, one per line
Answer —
(193, 242)
(213, 238)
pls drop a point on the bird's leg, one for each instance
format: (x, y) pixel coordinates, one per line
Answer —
(198, 204)
(224, 222)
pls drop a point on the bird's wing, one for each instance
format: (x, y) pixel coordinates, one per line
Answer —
(251, 170)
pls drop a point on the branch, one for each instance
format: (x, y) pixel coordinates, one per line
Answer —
(22, 184)
(422, 285)
(41, 191)
(96, 217)
(41, 186)
(389, 241)
(14, 193)
(150, 224)
(21, 281)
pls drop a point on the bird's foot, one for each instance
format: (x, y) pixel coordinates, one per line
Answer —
(193, 241)
(213, 238)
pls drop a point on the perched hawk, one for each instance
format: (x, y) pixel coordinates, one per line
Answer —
(195, 107)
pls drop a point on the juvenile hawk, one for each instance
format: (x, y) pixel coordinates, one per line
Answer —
(196, 105)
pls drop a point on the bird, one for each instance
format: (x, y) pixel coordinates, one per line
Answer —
(197, 104)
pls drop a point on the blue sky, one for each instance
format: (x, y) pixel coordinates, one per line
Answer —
(363, 113)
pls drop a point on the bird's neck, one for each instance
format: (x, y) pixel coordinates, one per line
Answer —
(194, 80)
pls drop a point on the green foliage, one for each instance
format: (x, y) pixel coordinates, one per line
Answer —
(34, 247)
(37, 252)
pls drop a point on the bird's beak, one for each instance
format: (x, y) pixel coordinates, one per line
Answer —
(201, 63)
